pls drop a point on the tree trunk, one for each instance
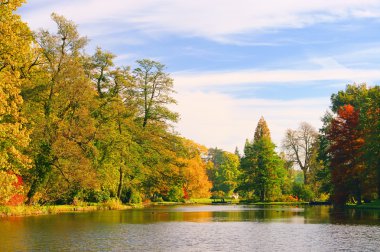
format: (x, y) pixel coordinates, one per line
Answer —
(378, 179)
(358, 195)
(262, 195)
(305, 177)
(120, 187)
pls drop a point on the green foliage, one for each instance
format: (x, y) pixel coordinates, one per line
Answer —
(351, 144)
(153, 88)
(263, 169)
(135, 198)
(96, 196)
(175, 194)
(223, 171)
(302, 192)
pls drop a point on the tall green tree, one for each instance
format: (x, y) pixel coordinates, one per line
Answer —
(263, 169)
(116, 131)
(153, 90)
(223, 170)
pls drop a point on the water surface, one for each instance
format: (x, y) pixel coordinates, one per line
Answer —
(196, 228)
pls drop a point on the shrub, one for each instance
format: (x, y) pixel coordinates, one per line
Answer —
(113, 204)
(303, 192)
(135, 198)
(176, 194)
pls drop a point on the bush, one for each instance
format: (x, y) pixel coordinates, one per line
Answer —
(302, 192)
(113, 204)
(176, 194)
(135, 198)
(97, 196)
(218, 195)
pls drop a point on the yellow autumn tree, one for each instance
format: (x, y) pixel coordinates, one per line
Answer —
(15, 40)
(196, 180)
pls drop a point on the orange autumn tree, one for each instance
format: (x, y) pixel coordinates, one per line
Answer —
(196, 183)
(345, 149)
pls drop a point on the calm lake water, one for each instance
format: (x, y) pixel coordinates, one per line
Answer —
(196, 228)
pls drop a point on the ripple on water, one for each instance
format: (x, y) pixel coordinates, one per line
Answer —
(202, 228)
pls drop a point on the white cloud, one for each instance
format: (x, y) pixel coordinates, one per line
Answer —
(213, 19)
(217, 120)
(254, 76)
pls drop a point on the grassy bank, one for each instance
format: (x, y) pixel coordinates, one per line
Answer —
(25, 210)
(279, 203)
(372, 205)
(210, 201)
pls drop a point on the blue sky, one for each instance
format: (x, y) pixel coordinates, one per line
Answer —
(234, 61)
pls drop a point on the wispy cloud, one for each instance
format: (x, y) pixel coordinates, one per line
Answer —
(213, 19)
(255, 76)
(223, 120)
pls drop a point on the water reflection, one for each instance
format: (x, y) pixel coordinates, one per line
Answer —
(196, 228)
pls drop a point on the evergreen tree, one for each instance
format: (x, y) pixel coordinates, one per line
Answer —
(263, 169)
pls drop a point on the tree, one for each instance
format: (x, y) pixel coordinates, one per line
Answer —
(115, 141)
(262, 130)
(323, 174)
(263, 169)
(370, 124)
(365, 100)
(99, 70)
(153, 89)
(300, 147)
(347, 168)
(224, 172)
(15, 53)
(196, 182)
(60, 102)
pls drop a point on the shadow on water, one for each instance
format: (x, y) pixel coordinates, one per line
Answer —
(355, 216)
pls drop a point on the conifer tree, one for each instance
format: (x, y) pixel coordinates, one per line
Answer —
(263, 169)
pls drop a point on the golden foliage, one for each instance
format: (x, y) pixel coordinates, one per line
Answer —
(15, 39)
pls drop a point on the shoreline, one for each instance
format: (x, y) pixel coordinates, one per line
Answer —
(25, 210)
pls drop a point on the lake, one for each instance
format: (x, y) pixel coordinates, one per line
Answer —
(196, 228)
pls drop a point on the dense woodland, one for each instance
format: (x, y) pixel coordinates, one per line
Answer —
(78, 128)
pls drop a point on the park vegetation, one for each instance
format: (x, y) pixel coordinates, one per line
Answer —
(77, 128)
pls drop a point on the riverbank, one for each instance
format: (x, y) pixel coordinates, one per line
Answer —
(372, 205)
(24, 210)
